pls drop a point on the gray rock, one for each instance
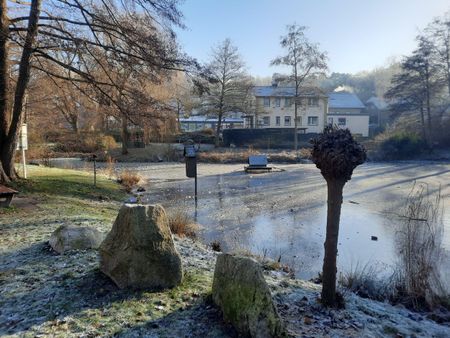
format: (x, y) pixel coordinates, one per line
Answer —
(240, 290)
(67, 238)
(139, 252)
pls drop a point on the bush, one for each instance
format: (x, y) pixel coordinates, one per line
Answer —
(417, 279)
(208, 131)
(216, 246)
(84, 143)
(128, 179)
(364, 280)
(401, 146)
(182, 225)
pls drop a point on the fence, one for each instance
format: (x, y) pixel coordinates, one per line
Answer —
(280, 138)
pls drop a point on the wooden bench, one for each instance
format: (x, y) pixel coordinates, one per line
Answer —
(6, 196)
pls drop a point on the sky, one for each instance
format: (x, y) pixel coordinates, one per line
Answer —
(358, 35)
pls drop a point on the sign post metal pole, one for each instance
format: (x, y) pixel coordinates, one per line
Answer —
(196, 188)
(22, 145)
(191, 164)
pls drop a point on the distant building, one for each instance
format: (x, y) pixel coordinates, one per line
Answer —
(346, 110)
(377, 108)
(201, 122)
(274, 108)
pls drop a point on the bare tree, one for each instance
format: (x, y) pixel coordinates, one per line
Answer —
(230, 85)
(304, 58)
(139, 31)
(438, 33)
(336, 154)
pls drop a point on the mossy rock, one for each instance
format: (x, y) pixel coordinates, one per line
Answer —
(139, 252)
(67, 238)
(240, 290)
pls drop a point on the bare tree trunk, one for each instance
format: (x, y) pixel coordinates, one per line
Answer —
(4, 32)
(4, 121)
(428, 94)
(422, 121)
(296, 127)
(335, 189)
(125, 135)
(447, 62)
(9, 143)
(218, 129)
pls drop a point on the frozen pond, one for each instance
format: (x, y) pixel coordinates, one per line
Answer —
(283, 214)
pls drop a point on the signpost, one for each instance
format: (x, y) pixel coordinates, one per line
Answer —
(22, 144)
(190, 154)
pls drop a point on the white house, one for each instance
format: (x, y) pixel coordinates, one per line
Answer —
(347, 111)
(274, 108)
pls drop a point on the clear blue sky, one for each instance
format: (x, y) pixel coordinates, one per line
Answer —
(357, 34)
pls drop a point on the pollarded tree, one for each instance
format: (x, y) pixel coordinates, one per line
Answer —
(305, 60)
(336, 154)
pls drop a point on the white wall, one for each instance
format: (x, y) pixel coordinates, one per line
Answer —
(273, 111)
(357, 124)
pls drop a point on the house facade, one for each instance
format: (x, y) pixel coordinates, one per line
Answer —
(274, 108)
(346, 110)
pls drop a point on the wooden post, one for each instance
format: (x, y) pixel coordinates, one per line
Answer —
(24, 163)
(95, 170)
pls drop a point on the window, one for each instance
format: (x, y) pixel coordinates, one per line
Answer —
(267, 102)
(299, 120)
(277, 102)
(266, 120)
(313, 121)
(287, 102)
(277, 120)
(330, 121)
(313, 101)
(287, 120)
(342, 121)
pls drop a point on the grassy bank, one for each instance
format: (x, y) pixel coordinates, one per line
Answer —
(42, 293)
(65, 192)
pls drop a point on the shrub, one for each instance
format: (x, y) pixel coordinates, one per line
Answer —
(108, 142)
(365, 281)
(417, 279)
(182, 225)
(216, 246)
(208, 131)
(110, 168)
(84, 143)
(128, 179)
(401, 146)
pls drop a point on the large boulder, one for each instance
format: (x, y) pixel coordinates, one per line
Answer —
(67, 238)
(139, 252)
(240, 290)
